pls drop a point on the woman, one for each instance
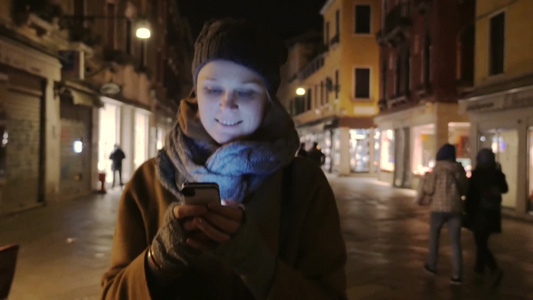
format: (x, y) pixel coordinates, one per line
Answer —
(446, 183)
(278, 234)
(483, 206)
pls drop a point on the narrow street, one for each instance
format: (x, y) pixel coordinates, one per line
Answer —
(65, 248)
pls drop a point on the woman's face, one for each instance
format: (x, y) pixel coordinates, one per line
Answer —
(232, 100)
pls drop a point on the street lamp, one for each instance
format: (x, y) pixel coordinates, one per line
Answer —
(300, 91)
(143, 30)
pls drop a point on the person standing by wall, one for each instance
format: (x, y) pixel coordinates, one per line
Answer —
(301, 151)
(316, 155)
(446, 183)
(116, 157)
(483, 206)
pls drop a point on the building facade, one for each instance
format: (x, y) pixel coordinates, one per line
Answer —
(340, 78)
(74, 80)
(427, 50)
(500, 107)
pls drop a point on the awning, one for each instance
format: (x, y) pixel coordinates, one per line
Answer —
(80, 98)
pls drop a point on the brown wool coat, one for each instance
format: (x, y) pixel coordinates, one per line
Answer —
(310, 263)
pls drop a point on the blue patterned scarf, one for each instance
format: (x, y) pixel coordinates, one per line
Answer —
(239, 167)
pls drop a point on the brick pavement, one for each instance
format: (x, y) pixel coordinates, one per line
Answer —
(65, 248)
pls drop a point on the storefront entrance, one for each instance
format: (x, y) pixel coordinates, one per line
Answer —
(504, 143)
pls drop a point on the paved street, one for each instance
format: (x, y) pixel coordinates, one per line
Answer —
(65, 248)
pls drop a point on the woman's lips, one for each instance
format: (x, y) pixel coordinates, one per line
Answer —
(228, 123)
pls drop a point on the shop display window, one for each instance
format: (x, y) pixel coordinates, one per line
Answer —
(359, 150)
(387, 150)
(108, 137)
(504, 143)
(377, 148)
(423, 159)
(336, 150)
(328, 163)
(459, 136)
(530, 169)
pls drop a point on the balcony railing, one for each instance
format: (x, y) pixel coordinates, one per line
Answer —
(396, 23)
(312, 66)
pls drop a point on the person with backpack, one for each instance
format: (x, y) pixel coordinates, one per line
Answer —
(483, 207)
(446, 184)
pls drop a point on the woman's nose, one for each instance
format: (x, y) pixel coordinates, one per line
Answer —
(228, 100)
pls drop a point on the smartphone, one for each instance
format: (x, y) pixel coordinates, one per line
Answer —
(200, 193)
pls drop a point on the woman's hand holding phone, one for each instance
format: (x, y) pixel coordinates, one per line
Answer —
(217, 225)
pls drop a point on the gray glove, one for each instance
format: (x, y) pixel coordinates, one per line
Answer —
(169, 248)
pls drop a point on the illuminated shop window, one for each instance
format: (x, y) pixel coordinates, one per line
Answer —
(459, 136)
(387, 150)
(424, 151)
(530, 169)
(504, 143)
(359, 150)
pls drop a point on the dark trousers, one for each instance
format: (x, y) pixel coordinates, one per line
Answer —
(119, 170)
(437, 220)
(484, 257)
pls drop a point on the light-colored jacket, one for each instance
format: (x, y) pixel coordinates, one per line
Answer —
(446, 183)
(310, 249)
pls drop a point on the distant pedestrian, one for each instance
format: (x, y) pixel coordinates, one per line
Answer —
(483, 206)
(316, 154)
(301, 151)
(446, 183)
(116, 157)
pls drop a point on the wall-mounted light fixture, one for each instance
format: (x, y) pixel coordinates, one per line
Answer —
(77, 146)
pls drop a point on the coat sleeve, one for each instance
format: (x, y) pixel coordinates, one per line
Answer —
(504, 188)
(429, 183)
(462, 181)
(126, 277)
(319, 266)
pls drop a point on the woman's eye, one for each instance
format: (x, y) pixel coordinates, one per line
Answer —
(213, 91)
(246, 93)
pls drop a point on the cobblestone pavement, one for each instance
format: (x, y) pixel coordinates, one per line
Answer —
(65, 248)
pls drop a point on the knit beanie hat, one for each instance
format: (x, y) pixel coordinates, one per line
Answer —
(446, 152)
(244, 43)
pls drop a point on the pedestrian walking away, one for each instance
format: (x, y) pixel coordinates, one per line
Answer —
(446, 184)
(116, 166)
(275, 234)
(483, 206)
(301, 151)
(316, 155)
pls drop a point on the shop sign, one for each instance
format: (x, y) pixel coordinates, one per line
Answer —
(19, 58)
(481, 104)
(519, 99)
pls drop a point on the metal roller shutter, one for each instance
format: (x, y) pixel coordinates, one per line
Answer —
(23, 124)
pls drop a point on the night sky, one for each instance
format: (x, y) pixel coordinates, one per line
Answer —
(287, 18)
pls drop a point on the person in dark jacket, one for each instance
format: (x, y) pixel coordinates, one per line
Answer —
(483, 206)
(316, 155)
(301, 151)
(116, 157)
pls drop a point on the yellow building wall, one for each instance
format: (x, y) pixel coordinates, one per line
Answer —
(518, 38)
(352, 50)
(359, 50)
